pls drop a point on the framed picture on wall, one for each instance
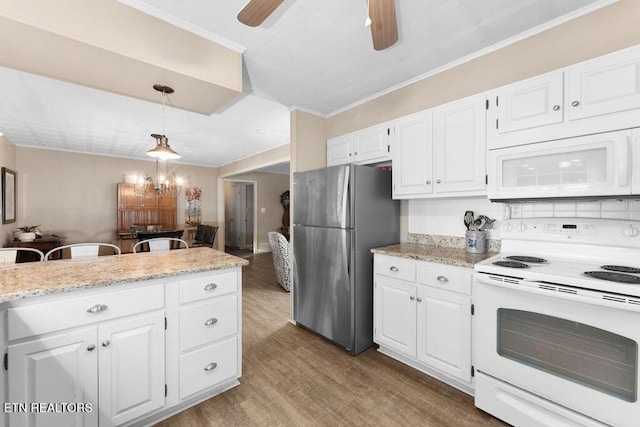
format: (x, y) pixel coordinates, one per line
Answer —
(8, 196)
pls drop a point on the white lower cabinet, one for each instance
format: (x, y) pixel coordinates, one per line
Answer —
(205, 314)
(131, 355)
(422, 317)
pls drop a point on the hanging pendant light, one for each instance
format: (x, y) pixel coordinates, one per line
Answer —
(162, 181)
(162, 150)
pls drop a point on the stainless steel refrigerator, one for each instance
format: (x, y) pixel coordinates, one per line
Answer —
(339, 214)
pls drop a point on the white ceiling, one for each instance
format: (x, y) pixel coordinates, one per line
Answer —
(316, 55)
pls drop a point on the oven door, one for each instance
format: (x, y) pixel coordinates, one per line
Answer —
(594, 165)
(574, 349)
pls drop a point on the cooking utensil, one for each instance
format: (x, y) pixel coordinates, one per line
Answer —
(476, 224)
(489, 224)
(468, 219)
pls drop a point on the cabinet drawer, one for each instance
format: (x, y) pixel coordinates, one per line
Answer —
(208, 321)
(398, 268)
(208, 366)
(69, 312)
(446, 278)
(208, 286)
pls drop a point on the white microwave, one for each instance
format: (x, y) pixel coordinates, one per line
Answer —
(594, 165)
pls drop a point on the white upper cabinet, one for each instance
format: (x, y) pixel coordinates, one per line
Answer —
(605, 85)
(528, 104)
(412, 155)
(372, 144)
(366, 146)
(595, 96)
(460, 147)
(635, 173)
(441, 152)
(340, 150)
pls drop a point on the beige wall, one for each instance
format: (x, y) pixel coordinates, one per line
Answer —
(274, 156)
(75, 194)
(308, 142)
(7, 160)
(269, 187)
(603, 31)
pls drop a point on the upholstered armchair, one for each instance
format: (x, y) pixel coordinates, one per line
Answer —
(281, 262)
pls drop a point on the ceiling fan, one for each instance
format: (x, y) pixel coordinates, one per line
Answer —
(382, 13)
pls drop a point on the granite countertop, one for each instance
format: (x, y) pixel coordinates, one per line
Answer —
(40, 278)
(438, 254)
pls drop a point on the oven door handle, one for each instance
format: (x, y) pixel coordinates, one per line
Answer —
(553, 290)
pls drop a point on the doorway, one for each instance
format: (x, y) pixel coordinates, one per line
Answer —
(240, 206)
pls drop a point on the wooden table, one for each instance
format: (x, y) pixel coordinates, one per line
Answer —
(43, 244)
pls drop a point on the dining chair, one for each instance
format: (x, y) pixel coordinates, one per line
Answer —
(205, 235)
(9, 256)
(160, 244)
(83, 250)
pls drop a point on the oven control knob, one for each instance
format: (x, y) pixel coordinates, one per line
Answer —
(521, 227)
(507, 226)
(630, 231)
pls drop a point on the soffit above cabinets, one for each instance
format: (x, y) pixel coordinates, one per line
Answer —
(109, 46)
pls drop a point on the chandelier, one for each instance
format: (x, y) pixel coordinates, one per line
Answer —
(163, 182)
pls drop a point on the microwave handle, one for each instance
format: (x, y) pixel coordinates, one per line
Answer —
(622, 158)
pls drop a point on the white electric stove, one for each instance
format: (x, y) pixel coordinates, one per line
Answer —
(557, 323)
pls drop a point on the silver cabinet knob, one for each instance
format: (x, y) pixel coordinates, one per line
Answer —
(211, 321)
(556, 107)
(356, 153)
(393, 268)
(211, 366)
(412, 297)
(91, 347)
(97, 308)
(106, 343)
(210, 287)
(428, 182)
(442, 279)
(419, 299)
(575, 103)
(438, 181)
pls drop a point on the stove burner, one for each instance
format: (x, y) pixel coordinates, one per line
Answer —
(613, 277)
(529, 259)
(621, 268)
(511, 264)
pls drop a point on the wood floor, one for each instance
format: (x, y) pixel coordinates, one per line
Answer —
(291, 377)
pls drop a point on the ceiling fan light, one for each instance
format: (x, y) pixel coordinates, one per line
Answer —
(162, 150)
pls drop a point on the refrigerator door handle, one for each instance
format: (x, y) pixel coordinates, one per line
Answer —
(346, 255)
(345, 195)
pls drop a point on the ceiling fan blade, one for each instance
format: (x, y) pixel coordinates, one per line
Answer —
(256, 11)
(384, 25)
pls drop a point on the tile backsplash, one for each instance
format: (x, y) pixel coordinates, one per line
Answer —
(445, 216)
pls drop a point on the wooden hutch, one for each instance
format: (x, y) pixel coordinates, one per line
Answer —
(150, 209)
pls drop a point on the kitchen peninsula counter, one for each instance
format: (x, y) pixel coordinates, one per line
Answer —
(52, 277)
(436, 254)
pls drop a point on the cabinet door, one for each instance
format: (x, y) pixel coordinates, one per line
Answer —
(605, 85)
(460, 146)
(55, 369)
(131, 367)
(127, 197)
(413, 156)
(340, 150)
(527, 104)
(444, 331)
(635, 168)
(372, 144)
(395, 315)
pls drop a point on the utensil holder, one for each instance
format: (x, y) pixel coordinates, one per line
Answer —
(475, 242)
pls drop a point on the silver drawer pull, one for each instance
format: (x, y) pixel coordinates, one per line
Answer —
(106, 343)
(210, 366)
(91, 347)
(210, 287)
(97, 308)
(211, 321)
(393, 268)
(411, 297)
(442, 279)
